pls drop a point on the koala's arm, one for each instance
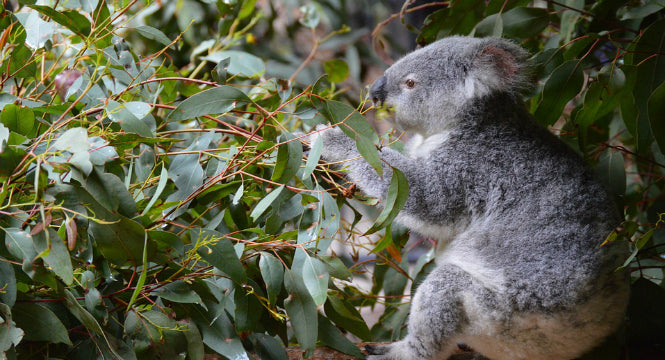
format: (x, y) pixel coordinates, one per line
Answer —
(425, 200)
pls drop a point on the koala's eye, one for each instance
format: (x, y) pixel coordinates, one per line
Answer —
(410, 83)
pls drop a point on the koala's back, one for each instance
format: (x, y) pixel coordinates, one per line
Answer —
(531, 211)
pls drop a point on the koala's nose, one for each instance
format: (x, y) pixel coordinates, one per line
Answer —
(378, 91)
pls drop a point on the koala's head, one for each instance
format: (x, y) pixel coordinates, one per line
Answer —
(430, 87)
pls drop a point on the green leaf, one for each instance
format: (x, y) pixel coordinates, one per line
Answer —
(347, 317)
(269, 348)
(218, 332)
(316, 148)
(220, 254)
(163, 179)
(178, 291)
(73, 140)
(95, 304)
(19, 244)
(337, 70)
(195, 348)
(369, 152)
(10, 335)
(248, 309)
(71, 19)
(58, 256)
(151, 33)
(21, 64)
(102, 25)
(602, 96)
(20, 120)
(565, 82)
(263, 205)
(336, 267)
(40, 324)
(314, 274)
(398, 192)
(132, 117)
(289, 158)
(37, 31)
(649, 76)
(241, 63)
(272, 272)
(301, 310)
(7, 282)
(81, 314)
(110, 192)
(120, 241)
(641, 11)
(525, 22)
(144, 273)
(217, 100)
(656, 108)
(332, 337)
(612, 171)
(355, 126)
(457, 19)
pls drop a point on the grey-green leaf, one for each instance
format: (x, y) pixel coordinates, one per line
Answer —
(241, 63)
(301, 310)
(7, 282)
(565, 82)
(314, 274)
(398, 192)
(40, 323)
(265, 203)
(58, 256)
(289, 158)
(178, 291)
(332, 337)
(272, 271)
(151, 33)
(217, 100)
(656, 108)
(220, 254)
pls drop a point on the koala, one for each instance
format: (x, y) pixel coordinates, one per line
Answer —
(518, 217)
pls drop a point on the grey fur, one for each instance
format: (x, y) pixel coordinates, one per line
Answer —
(518, 216)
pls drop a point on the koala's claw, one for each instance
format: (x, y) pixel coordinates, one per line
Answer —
(376, 350)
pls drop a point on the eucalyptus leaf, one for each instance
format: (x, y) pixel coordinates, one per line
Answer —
(301, 310)
(272, 272)
(71, 19)
(219, 252)
(398, 192)
(40, 323)
(240, 62)
(565, 82)
(151, 33)
(314, 274)
(265, 203)
(217, 100)
(7, 282)
(58, 257)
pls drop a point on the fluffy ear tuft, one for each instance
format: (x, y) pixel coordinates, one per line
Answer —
(499, 66)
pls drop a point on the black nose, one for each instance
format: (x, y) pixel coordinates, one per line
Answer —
(378, 91)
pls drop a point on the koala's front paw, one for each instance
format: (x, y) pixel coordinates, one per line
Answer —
(379, 352)
(336, 145)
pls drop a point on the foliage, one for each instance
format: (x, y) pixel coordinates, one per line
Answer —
(156, 201)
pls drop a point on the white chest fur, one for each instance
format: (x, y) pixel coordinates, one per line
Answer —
(420, 147)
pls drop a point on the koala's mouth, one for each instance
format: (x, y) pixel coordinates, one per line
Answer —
(385, 113)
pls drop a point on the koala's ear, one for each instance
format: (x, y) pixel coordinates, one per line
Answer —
(498, 66)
